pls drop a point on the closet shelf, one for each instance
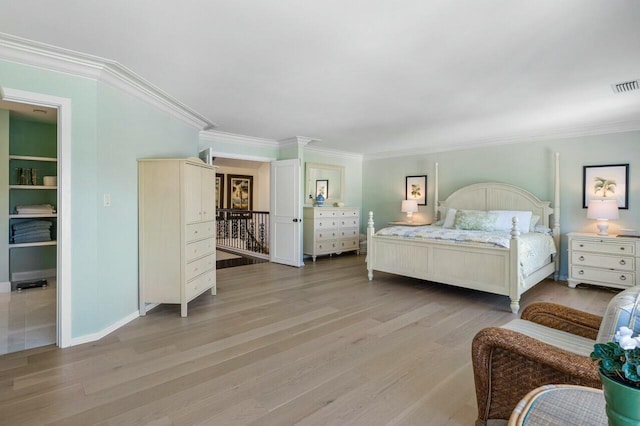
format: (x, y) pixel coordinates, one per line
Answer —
(32, 216)
(30, 158)
(32, 187)
(40, 244)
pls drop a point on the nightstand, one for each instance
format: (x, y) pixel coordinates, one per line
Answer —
(608, 261)
(414, 223)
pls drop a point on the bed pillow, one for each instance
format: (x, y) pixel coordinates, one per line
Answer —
(475, 220)
(449, 219)
(535, 221)
(505, 218)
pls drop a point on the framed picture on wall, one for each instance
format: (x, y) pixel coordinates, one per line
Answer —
(322, 187)
(219, 191)
(606, 182)
(417, 189)
(240, 192)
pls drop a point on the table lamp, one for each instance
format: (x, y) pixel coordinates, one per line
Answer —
(603, 210)
(409, 207)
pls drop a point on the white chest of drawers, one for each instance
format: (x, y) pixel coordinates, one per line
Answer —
(328, 230)
(608, 261)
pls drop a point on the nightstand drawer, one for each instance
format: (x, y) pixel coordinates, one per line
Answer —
(592, 260)
(626, 279)
(602, 247)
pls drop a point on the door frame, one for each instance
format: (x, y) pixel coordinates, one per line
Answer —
(63, 247)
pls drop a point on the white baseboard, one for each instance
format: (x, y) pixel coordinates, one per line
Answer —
(5, 287)
(102, 333)
(33, 275)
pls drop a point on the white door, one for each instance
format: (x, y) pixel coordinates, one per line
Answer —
(286, 220)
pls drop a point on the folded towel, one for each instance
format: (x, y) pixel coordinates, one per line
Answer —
(36, 209)
(32, 224)
(24, 240)
(30, 233)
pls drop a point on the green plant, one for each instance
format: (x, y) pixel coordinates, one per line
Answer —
(620, 359)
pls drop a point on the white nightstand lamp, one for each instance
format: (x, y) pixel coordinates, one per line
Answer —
(409, 207)
(603, 210)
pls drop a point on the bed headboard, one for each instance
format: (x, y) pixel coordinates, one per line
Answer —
(497, 196)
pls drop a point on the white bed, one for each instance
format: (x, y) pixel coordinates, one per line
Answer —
(470, 265)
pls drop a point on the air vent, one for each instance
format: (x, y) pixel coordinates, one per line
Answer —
(626, 86)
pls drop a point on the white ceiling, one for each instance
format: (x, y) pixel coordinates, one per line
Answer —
(368, 76)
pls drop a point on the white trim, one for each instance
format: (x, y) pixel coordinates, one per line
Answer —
(105, 331)
(41, 55)
(252, 141)
(5, 287)
(334, 153)
(297, 140)
(64, 202)
(220, 154)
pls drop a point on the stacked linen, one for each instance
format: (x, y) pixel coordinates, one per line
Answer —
(36, 209)
(32, 231)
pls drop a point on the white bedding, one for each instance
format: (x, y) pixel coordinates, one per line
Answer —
(535, 247)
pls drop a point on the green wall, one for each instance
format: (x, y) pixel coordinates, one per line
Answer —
(109, 131)
(529, 165)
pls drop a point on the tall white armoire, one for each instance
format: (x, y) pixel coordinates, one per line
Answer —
(177, 240)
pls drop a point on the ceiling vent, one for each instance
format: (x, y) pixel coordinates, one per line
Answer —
(626, 86)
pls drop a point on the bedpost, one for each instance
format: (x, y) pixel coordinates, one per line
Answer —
(514, 277)
(556, 217)
(370, 231)
(435, 197)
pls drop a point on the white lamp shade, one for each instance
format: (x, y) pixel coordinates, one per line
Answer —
(409, 206)
(603, 209)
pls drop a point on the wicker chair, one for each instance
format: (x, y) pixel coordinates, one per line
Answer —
(508, 364)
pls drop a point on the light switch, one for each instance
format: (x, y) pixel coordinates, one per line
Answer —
(107, 200)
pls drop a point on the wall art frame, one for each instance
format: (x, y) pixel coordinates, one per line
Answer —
(606, 182)
(416, 189)
(240, 192)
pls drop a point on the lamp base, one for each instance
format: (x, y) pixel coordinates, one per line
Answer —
(603, 227)
(409, 217)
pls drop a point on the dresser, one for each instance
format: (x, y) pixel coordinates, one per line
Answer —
(176, 225)
(608, 261)
(329, 230)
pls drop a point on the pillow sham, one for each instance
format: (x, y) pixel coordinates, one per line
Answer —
(475, 220)
(535, 220)
(450, 219)
(505, 218)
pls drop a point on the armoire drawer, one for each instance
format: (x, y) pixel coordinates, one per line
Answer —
(198, 231)
(200, 248)
(199, 266)
(199, 284)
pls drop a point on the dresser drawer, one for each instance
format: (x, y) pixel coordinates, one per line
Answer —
(621, 263)
(198, 231)
(326, 234)
(326, 223)
(349, 232)
(328, 246)
(603, 247)
(349, 222)
(325, 213)
(349, 244)
(199, 284)
(626, 279)
(350, 213)
(199, 248)
(199, 266)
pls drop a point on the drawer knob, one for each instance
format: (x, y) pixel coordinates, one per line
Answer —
(622, 262)
(581, 245)
(623, 278)
(581, 272)
(581, 258)
(196, 231)
(622, 248)
(320, 235)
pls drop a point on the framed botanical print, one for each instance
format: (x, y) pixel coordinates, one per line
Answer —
(417, 189)
(322, 188)
(605, 183)
(219, 191)
(240, 192)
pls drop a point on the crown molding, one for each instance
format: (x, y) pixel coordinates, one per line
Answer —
(334, 153)
(53, 58)
(252, 141)
(566, 133)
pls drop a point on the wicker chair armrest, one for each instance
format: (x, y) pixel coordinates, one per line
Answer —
(508, 364)
(563, 318)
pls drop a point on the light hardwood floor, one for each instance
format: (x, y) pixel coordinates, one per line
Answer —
(278, 345)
